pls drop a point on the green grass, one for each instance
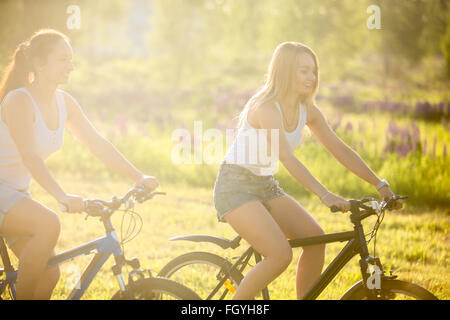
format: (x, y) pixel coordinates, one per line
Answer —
(413, 242)
(424, 177)
(414, 245)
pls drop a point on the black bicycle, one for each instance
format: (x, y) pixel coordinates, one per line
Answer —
(214, 277)
(141, 284)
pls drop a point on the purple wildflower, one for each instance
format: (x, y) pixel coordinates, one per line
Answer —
(424, 151)
(415, 136)
(434, 147)
(361, 126)
(348, 127)
(102, 114)
(121, 122)
(336, 125)
(393, 128)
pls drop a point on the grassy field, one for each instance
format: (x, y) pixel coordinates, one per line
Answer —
(414, 245)
(410, 153)
(147, 68)
(413, 242)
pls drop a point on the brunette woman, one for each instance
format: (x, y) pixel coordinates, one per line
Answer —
(34, 114)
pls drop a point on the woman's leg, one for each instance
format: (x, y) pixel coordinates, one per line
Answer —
(255, 224)
(296, 222)
(47, 281)
(30, 218)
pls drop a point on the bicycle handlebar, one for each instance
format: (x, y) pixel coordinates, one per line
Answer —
(97, 207)
(374, 208)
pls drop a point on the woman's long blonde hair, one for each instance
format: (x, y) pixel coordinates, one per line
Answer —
(279, 77)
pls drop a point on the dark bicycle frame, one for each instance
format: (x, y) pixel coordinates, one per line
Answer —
(356, 244)
(105, 246)
(351, 249)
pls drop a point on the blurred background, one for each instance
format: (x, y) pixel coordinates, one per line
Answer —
(145, 68)
(148, 67)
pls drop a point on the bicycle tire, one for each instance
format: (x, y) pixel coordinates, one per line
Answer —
(5, 292)
(390, 290)
(155, 288)
(215, 262)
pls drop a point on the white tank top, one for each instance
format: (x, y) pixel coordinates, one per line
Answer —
(249, 148)
(12, 171)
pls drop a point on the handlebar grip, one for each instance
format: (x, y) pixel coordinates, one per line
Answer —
(64, 208)
(334, 209)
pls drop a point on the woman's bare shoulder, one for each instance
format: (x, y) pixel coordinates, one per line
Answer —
(72, 106)
(68, 98)
(266, 114)
(313, 114)
(16, 104)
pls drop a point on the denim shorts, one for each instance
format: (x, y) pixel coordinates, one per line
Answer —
(8, 198)
(236, 185)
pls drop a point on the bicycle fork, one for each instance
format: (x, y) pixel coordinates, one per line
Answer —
(371, 268)
(117, 271)
(134, 275)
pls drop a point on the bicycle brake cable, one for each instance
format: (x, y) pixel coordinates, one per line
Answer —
(373, 233)
(129, 235)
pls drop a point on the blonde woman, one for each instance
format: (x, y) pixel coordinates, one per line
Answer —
(33, 117)
(247, 196)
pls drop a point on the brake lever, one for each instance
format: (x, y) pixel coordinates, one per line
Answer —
(389, 202)
(129, 204)
(149, 196)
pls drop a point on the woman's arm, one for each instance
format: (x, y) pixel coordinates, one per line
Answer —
(343, 153)
(269, 118)
(82, 128)
(19, 117)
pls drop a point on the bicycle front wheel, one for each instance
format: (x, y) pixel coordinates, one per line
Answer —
(6, 291)
(156, 288)
(390, 290)
(202, 272)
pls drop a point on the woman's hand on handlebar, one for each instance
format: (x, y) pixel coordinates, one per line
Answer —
(149, 182)
(72, 203)
(386, 193)
(330, 200)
